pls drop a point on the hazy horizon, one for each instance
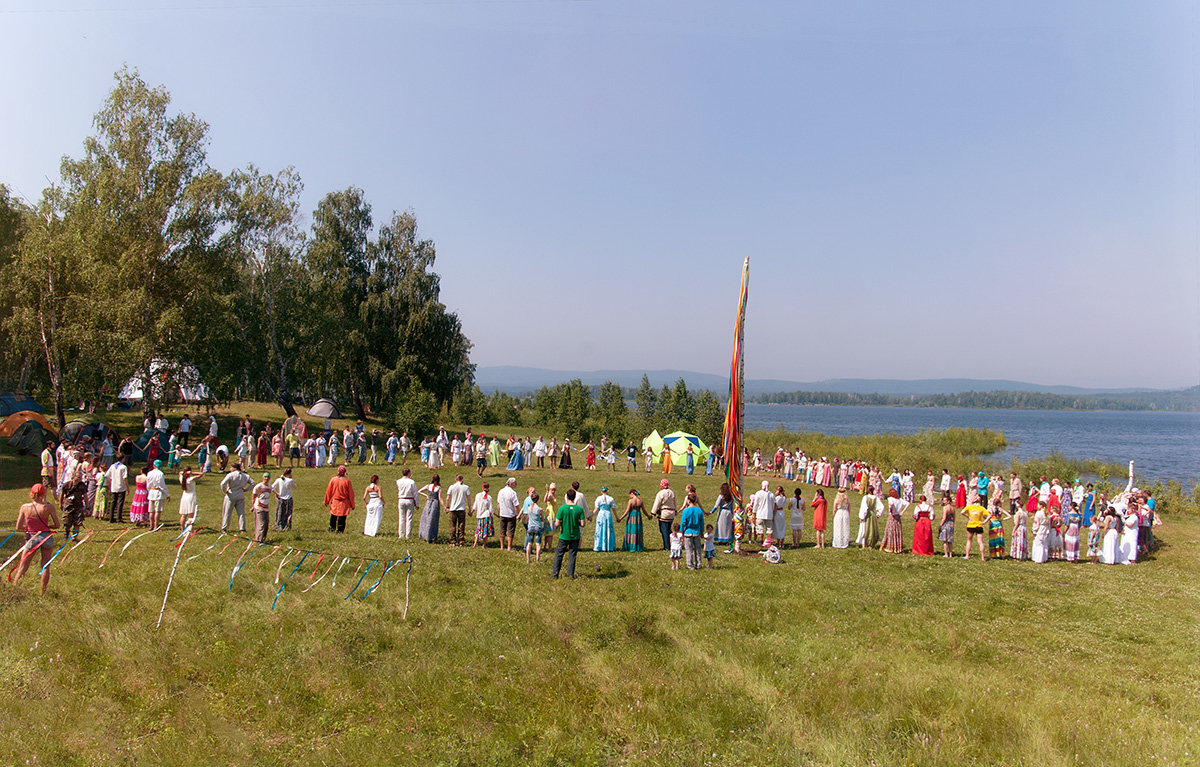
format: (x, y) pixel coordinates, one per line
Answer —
(925, 190)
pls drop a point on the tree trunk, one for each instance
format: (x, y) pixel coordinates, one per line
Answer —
(23, 381)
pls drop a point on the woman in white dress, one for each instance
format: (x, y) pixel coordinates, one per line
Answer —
(841, 520)
(778, 522)
(1039, 551)
(321, 451)
(1128, 552)
(435, 458)
(373, 496)
(795, 505)
(188, 508)
(1110, 549)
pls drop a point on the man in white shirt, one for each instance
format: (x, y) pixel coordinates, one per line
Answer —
(284, 487)
(945, 486)
(763, 505)
(162, 424)
(156, 494)
(482, 509)
(507, 502)
(406, 492)
(118, 484)
(539, 452)
(456, 503)
(580, 498)
(234, 486)
(185, 430)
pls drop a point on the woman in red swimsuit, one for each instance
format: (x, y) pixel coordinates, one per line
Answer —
(39, 519)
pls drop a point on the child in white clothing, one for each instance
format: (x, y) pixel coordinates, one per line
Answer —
(676, 546)
(710, 546)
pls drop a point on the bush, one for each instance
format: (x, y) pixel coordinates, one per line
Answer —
(416, 412)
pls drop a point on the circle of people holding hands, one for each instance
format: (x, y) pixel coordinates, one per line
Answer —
(1046, 519)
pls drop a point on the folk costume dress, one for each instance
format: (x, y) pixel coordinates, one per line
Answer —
(430, 515)
(841, 526)
(723, 508)
(1039, 551)
(374, 511)
(996, 534)
(604, 535)
(893, 531)
(565, 461)
(868, 527)
(922, 538)
(139, 509)
(1071, 536)
(1019, 550)
(633, 527)
(1110, 549)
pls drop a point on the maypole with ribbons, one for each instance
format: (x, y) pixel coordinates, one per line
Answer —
(731, 445)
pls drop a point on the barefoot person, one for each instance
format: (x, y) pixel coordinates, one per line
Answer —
(38, 519)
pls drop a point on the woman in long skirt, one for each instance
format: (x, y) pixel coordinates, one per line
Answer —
(633, 523)
(996, 515)
(260, 455)
(430, 515)
(893, 531)
(946, 529)
(1110, 549)
(604, 536)
(565, 461)
(841, 520)
(723, 508)
(139, 509)
(1055, 539)
(1129, 537)
(1071, 536)
(820, 511)
(1039, 549)
(1019, 550)
(868, 528)
(922, 538)
(373, 496)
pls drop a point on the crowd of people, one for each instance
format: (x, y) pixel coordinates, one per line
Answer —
(1042, 520)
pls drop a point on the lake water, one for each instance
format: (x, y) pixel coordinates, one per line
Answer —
(1162, 445)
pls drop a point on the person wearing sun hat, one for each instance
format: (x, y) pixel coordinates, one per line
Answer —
(664, 510)
(260, 502)
(156, 494)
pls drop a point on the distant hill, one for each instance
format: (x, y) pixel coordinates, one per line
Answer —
(517, 380)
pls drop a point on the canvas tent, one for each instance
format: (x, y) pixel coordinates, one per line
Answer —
(14, 421)
(168, 382)
(30, 437)
(141, 445)
(75, 431)
(14, 403)
(677, 442)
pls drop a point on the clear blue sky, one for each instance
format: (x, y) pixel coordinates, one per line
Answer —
(950, 189)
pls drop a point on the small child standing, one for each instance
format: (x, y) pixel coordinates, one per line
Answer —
(611, 459)
(710, 547)
(739, 530)
(676, 546)
(1093, 549)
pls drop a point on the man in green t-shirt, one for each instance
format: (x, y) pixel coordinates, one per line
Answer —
(570, 523)
(293, 445)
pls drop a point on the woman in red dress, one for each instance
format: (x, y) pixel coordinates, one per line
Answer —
(922, 540)
(264, 445)
(960, 496)
(819, 507)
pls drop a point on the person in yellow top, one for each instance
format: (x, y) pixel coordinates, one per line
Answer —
(976, 517)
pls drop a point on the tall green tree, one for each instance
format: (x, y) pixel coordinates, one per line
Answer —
(611, 412)
(147, 209)
(646, 399)
(336, 258)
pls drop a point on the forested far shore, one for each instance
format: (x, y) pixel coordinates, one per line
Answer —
(1181, 400)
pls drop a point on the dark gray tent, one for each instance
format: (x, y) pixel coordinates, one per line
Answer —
(30, 437)
(15, 403)
(75, 431)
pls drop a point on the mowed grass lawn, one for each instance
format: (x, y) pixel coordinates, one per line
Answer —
(832, 657)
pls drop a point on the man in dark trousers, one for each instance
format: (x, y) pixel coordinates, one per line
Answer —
(570, 524)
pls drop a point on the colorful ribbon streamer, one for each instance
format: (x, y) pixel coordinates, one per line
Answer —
(360, 580)
(114, 543)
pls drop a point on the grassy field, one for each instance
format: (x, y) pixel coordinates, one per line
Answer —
(833, 657)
